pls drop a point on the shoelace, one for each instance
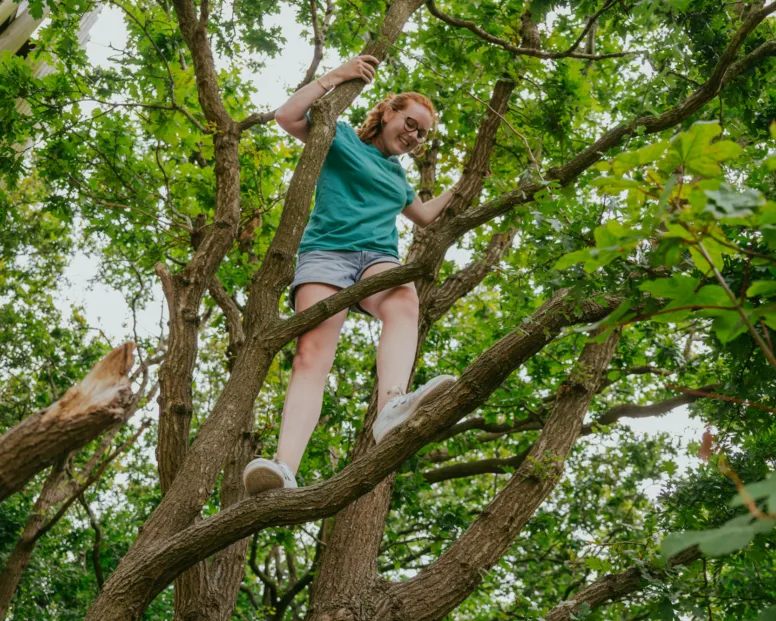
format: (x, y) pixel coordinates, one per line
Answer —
(396, 392)
(284, 469)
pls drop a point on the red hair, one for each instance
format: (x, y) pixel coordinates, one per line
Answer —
(372, 124)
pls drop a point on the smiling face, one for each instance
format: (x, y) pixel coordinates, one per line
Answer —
(395, 139)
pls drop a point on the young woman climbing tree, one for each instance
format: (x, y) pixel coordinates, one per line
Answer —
(351, 235)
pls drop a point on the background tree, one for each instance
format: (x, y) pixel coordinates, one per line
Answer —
(620, 265)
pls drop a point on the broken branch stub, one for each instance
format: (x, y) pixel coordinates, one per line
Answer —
(82, 414)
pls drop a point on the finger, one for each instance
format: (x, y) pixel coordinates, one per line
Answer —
(370, 59)
(370, 69)
(366, 76)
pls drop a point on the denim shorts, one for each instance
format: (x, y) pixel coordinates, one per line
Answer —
(339, 268)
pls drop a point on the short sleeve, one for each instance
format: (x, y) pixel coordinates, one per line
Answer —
(410, 190)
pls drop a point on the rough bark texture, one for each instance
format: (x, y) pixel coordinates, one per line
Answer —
(616, 586)
(172, 541)
(441, 587)
(140, 577)
(22, 552)
(58, 490)
(82, 414)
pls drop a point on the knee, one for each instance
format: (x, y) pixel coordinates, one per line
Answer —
(311, 356)
(402, 303)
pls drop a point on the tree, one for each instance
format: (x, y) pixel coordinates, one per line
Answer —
(616, 223)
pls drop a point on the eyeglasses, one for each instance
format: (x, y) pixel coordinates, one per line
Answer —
(411, 125)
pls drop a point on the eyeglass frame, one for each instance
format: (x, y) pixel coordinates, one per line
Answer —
(416, 129)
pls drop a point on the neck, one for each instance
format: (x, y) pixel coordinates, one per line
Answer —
(380, 144)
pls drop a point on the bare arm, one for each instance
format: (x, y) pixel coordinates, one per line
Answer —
(424, 214)
(291, 115)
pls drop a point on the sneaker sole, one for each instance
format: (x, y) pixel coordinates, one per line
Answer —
(262, 479)
(442, 385)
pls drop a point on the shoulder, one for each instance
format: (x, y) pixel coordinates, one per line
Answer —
(345, 130)
(341, 128)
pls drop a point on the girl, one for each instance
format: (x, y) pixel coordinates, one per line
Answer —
(352, 235)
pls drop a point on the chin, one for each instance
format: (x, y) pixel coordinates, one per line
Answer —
(401, 148)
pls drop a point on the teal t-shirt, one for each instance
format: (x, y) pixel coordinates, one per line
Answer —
(360, 192)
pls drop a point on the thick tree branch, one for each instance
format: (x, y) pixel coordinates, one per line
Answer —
(319, 39)
(527, 51)
(501, 465)
(139, 580)
(465, 280)
(85, 411)
(724, 72)
(54, 491)
(439, 588)
(184, 290)
(473, 468)
(630, 410)
(616, 586)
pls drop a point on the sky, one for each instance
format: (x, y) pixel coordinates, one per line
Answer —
(107, 310)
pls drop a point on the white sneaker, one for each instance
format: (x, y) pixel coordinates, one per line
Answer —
(402, 405)
(263, 474)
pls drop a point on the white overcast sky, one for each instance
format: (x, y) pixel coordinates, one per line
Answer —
(107, 310)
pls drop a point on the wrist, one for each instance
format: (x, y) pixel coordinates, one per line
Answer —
(335, 78)
(330, 80)
(325, 83)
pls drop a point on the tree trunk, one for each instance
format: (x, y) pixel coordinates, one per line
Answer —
(20, 556)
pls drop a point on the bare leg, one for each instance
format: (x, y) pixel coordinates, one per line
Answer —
(315, 352)
(397, 308)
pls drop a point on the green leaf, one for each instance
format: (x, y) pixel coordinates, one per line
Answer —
(714, 250)
(758, 491)
(614, 185)
(728, 325)
(727, 202)
(624, 162)
(694, 149)
(724, 150)
(666, 609)
(676, 230)
(678, 286)
(679, 5)
(733, 536)
(764, 288)
(572, 258)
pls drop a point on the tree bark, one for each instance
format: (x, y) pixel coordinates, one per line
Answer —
(616, 586)
(82, 414)
(22, 552)
(56, 490)
(166, 547)
(141, 576)
(439, 588)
